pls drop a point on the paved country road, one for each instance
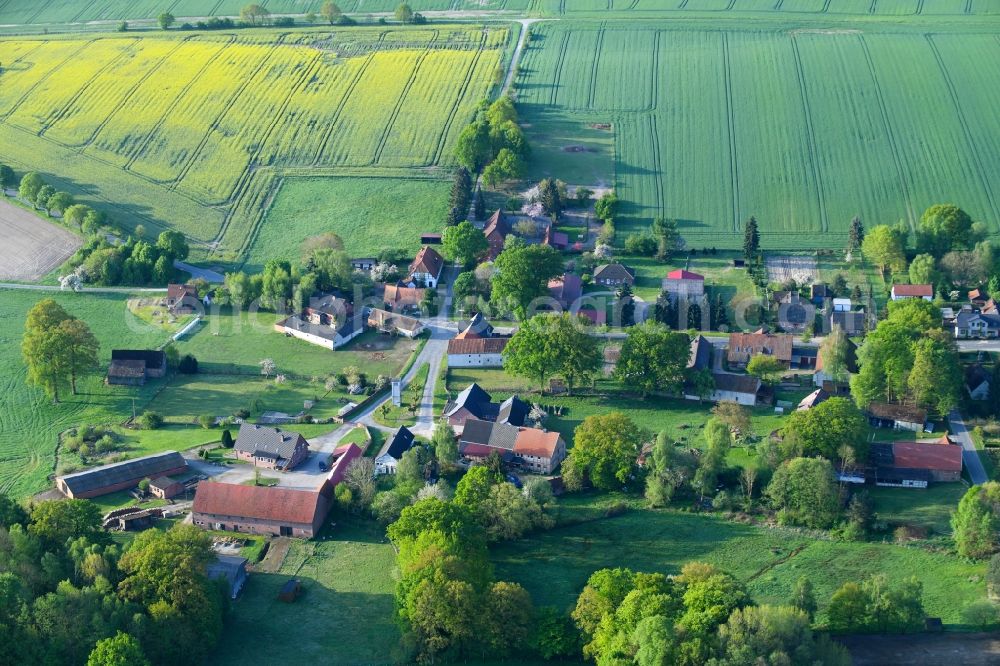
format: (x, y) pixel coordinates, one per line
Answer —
(970, 456)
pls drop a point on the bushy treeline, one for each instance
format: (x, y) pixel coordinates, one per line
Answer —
(70, 595)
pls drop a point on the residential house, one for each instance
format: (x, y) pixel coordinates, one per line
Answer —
(260, 509)
(614, 275)
(232, 569)
(971, 323)
(557, 240)
(395, 324)
(813, 399)
(364, 263)
(540, 452)
(977, 382)
(529, 448)
(685, 285)
(117, 476)
(327, 310)
(481, 438)
(270, 448)
(476, 352)
(323, 335)
(132, 367)
(182, 298)
(794, 312)
(853, 323)
(341, 459)
(426, 269)
(164, 487)
(819, 292)
(977, 297)
(742, 389)
(399, 298)
(897, 417)
(701, 353)
(916, 464)
(474, 403)
(566, 290)
(744, 346)
(478, 327)
(990, 307)
(901, 292)
(496, 231)
(842, 305)
(821, 378)
(392, 451)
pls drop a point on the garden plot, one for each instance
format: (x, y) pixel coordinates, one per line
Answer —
(801, 269)
(30, 247)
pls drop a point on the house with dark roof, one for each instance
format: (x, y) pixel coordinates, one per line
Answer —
(132, 367)
(895, 416)
(916, 464)
(323, 335)
(477, 327)
(232, 569)
(901, 292)
(425, 271)
(977, 382)
(566, 290)
(685, 285)
(269, 447)
(364, 264)
(395, 324)
(496, 231)
(819, 292)
(971, 323)
(614, 275)
(392, 451)
(327, 310)
(260, 509)
(853, 323)
(744, 346)
(182, 298)
(474, 403)
(120, 475)
(742, 389)
(481, 438)
(701, 354)
(476, 352)
(530, 449)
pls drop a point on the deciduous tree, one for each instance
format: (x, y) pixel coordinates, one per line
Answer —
(464, 243)
(653, 358)
(605, 448)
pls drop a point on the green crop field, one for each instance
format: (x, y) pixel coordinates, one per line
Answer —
(800, 125)
(197, 131)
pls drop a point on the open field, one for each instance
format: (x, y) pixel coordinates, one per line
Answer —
(370, 214)
(555, 565)
(802, 127)
(196, 131)
(31, 246)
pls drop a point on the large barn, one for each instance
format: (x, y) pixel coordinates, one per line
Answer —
(121, 475)
(260, 509)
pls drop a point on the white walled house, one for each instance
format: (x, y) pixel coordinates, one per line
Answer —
(321, 334)
(476, 352)
(426, 268)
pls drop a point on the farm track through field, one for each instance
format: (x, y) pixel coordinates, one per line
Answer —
(123, 102)
(826, 7)
(893, 145)
(443, 139)
(42, 7)
(328, 134)
(969, 138)
(45, 77)
(227, 107)
(594, 65)
(810, 137)
(560, 61)
(654, 134)
(140, 150)
(734, 170)
(654, 80)
(260, 213)
(79, 93)
(399, 102)
(778, 562)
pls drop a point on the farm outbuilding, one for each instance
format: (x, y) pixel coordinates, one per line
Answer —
(260, 509)
(164, 487)
(132, 367)
(232, 569)
(120, 476)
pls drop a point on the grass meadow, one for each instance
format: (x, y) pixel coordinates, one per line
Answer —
(802, 127)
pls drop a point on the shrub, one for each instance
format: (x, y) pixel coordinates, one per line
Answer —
(616, 509)
(150, 420)
(106, 444)
(981, 614)
(206, 421)
(188, 365)
(227, 439)
(242, 413)
(84, 450)
(144, 486)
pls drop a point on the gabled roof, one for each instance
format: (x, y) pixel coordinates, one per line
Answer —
(267, 441)
(497, 224)
(701, 353)
(513, 411)
(813, 399)
(349, 327)
(725, 381)
(893, 412)
(273, 504)
(681, 274)
(489, 433)
(398, 295)
(179, 291)
(975, 375)
(851, 322)
(129, 369)
(478, 327)
(566, 289)
(427, 261)
(385, 319)
(343, 456)
(151, 466)
(743, 344)
(614, 271)
(400, 443)
(534, 442)
(474, 399)
(153, 358)
(331, 304)
(477, 345)
(938, 456)
(914, 290)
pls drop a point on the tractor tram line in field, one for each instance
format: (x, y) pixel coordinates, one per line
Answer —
(42, 79)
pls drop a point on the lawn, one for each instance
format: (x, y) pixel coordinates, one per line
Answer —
(930, 508)
(394, 417)
(370, 215)
(683, 101)
(554, 565)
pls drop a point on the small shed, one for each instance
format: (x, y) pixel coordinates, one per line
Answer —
(165, 487)
(290, 591)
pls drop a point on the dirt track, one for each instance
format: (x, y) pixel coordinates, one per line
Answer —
(30, 246)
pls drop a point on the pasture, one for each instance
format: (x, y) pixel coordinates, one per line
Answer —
(802, 127)
(31, 246)
(196, 131)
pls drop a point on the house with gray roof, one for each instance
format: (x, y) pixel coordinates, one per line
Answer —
(121, 475)
(474, 403)
(232, 569)
(480, 438)
(323, 335)
(975, 324)
(271, 448)
(614, 275)
(132, 367)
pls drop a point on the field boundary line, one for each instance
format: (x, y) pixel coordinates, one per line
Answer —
(174, 103)
(257, 219)
(125, 99)
(595, 64)
(560, 61)
(871, 10)
(190, 162)
(811, 137)
(45, 77)
(920, 7)
(328, 134)
(777, 5)
(968, 6)
(884, 112)
(734, 169)
(443, 138)
(377, 157)
(969, 138)
(654, 85)
(654, 134)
